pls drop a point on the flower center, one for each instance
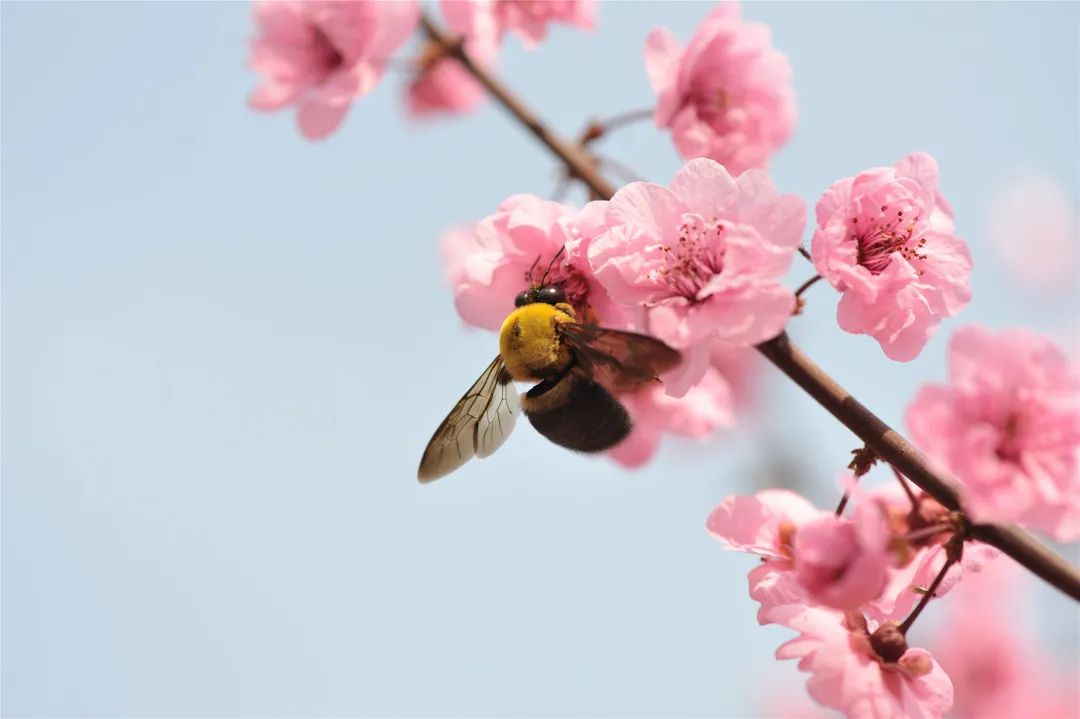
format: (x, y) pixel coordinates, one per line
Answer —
(696, 256)
(712, 106)
(574, 284)
(1008, 449)
(327, 57)
(885, 234)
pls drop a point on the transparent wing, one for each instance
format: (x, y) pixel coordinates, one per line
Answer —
(498, 419)
(476, 426)
(621, 361)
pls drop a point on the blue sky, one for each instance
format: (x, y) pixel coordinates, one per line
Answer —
(225, 347)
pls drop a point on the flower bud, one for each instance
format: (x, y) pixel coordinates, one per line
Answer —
(889, 642)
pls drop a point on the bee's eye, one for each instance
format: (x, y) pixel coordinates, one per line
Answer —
(551, 295)
(522, 299)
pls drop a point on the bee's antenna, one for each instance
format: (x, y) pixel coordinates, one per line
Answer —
(528, 277)
(543, 282)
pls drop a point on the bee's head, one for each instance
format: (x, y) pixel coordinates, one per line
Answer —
(541, 291)
(549, 295)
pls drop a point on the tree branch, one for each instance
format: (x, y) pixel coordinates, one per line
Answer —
(880, 437)
(888, 444)
(576, 160)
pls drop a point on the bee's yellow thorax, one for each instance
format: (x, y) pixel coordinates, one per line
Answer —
(529, 342)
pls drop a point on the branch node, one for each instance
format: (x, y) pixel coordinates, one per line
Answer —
(864, 458)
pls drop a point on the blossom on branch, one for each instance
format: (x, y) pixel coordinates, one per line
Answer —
(885, 239)
(810, 556)
(702, 261)
(529, 240)
(813, 557)
(728, 95)
(322, 54)
(842, 562)
(1008, 426)
(486, 21)
(526, 238)
(864, 669)
(442, 85)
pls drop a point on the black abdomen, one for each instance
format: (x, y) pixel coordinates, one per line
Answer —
(585, 417)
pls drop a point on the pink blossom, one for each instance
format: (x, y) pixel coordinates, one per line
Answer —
(885, 239)
(853, 670)
(706, 407)
(442, 85)
(766, 524)
(762, 524)
(1008, 426)
(813, 557)
(513, 247)
(702, 260)
(487, 21)
(528, 239)
(842, 563)
(996, 668)
(728, 95)
(322, 54)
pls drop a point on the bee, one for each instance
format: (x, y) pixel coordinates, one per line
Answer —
(577, 368)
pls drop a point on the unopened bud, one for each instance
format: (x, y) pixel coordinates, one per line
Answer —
(430, 53)
(594, 131)
(889, 642)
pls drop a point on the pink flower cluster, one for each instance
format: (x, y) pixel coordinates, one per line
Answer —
(727, 95)
(441, 84)
(885, 240)
(845, 584)
(702, 261)
(1008, 427)
(322, 54)
(698, 264)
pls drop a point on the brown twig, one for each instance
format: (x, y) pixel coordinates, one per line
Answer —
(842, 505)
(906, 625)
(906, 487)
(927, 532)
(576, 160)
(625, 118)
(880, 437)
(806, 285)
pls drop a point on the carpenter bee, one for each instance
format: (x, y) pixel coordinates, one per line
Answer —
(578, 369)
